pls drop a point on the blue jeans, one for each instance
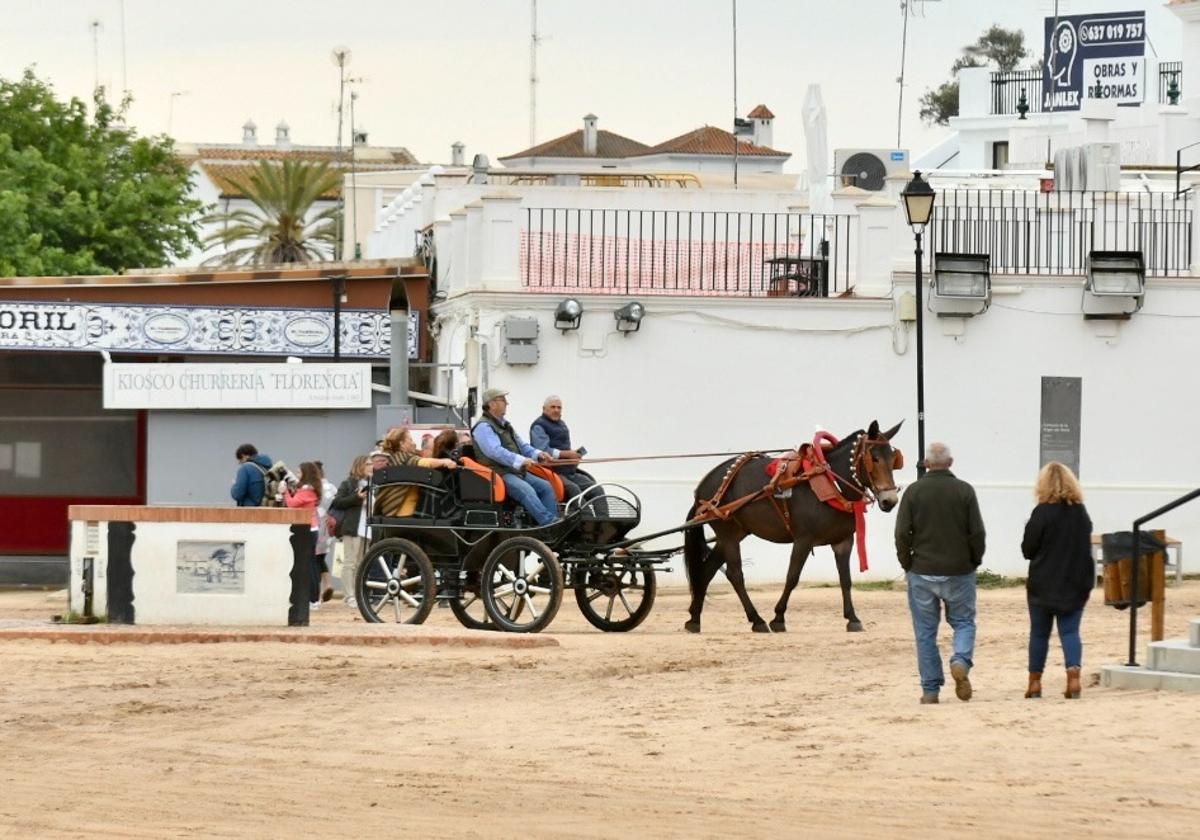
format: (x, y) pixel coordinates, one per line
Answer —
(925, 598)
(534, 494)
(1041, 621)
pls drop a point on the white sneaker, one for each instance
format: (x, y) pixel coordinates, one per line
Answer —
(351, 603)
(314, 605)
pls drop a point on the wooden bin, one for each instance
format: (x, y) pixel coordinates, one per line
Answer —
(1118, 581)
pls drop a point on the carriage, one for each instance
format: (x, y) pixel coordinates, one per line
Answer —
(469, 548)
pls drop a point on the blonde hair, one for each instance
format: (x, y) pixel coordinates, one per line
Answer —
(395, 438)
(1056, 483)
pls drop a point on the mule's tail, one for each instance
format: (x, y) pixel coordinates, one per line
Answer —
(694, 547)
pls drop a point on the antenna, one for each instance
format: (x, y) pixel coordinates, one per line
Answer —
(906, 8)
(534, 40)
(735, 108)
(124, 75)
(340, 56)
(353, 178)
(96, 26)
(171, 107)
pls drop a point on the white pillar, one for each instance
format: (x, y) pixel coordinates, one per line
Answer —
(501, 231)
(875, 246)
(975, 92)
(474, 265)
(454, 273)
(1188, 12)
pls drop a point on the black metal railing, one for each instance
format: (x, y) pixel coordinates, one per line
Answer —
(1166, 70)
(1029, 232)
(1007, 89)
(685, 252)
(1137, 555)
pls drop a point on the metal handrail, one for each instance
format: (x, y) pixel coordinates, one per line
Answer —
(1179, 170)
(1137, 553)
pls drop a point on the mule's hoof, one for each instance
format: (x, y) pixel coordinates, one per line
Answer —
(691, 626)
(760, 627)
(854, 627)
(778, 627)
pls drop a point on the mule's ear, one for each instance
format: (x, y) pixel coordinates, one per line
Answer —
(891, 433)
(874, 430)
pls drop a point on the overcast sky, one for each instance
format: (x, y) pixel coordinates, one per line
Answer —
(436, 72)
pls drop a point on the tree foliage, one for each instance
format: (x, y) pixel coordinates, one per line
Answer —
(278, 229)
(997, 47)
(82, 195)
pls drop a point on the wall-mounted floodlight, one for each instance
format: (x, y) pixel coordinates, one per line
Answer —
(629, 317)
(567, 315)
(962, 284)
(1116, 284)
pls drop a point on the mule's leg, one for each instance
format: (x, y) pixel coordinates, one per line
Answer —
(841, 553)
(733, 571)
(800, 552)
(712, 561)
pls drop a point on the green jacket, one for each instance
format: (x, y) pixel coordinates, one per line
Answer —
(939, 530)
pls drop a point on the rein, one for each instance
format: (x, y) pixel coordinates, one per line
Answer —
(560, 462)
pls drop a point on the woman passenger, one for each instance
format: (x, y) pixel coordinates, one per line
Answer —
(401, 450)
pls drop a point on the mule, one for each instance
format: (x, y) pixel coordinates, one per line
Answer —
(862, 465)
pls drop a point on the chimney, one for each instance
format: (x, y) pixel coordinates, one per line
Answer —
(360, 137)
(281, 134)
(589, 135)
(456, 153)
(249, 133)
(761, 121)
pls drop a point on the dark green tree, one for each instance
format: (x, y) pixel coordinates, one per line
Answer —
(281, 227)
(997, 47)
(82, 195)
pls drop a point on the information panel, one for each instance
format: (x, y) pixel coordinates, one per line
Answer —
(1096, 57)
(1062, 398)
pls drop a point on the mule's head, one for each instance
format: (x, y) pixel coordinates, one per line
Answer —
(878, 464)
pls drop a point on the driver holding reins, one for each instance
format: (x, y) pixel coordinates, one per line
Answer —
(498, 446)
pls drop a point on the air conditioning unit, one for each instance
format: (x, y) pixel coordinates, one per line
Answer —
(867, 168)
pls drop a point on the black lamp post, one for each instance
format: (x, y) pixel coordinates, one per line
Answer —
(918, 206)
(339, 292)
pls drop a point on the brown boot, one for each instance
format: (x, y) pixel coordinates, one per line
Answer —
(1035, 685)
(1073, 685)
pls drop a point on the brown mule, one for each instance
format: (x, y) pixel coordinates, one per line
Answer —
(1035, 685)
(1073, 685)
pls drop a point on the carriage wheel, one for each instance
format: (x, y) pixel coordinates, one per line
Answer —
(522, 585)
(615, 596)
(395, 583)
(468, 607)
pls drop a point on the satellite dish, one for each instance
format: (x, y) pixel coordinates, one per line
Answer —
(864, 170)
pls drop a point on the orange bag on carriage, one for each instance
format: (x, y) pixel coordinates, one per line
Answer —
(560, 491)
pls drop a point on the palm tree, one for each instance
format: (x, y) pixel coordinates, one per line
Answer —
(277, 230)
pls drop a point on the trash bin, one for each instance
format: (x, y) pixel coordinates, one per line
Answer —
(1117, 555)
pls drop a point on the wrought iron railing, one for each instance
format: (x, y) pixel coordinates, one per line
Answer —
(1029, 232)
(682, 252)
(1008, 87)
(1167, 70)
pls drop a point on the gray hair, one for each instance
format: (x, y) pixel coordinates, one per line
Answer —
(552, 398)
(937, 456)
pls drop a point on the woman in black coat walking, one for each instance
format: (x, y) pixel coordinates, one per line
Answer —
(1058, 546)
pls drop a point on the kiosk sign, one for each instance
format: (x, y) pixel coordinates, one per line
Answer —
(1098, 57)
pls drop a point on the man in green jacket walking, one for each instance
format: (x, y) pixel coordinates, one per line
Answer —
(940, 543)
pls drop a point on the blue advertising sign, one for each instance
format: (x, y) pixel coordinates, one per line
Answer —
(1094, 57)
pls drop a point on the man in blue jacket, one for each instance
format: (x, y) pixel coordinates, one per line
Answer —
(550, 432)
(250, 483)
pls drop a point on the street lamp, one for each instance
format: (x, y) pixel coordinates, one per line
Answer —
(918, 206)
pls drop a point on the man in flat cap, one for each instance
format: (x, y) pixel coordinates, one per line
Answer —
(498, 446)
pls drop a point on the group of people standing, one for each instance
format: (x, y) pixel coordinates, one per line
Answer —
(940, 541)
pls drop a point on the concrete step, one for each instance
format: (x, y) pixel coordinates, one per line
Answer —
(1174, 655)
(1194, 633)
(1123, 676)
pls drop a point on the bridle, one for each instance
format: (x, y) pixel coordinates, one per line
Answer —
(862, 463)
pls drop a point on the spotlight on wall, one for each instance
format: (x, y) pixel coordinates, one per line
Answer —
(1116, 284)
(629, 317)
(567, 315)
(962, 284)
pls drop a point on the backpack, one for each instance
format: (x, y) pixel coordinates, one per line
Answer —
(272, 483)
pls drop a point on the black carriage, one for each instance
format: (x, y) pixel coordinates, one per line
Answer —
(469, 548)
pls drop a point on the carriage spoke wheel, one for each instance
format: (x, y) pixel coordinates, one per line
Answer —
(615, 596)
(468, 607)
(395, 583)
(522, 585)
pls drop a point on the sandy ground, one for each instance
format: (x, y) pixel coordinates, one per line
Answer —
(656, 733)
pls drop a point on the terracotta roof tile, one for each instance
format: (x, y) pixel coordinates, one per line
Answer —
(762, 112)
(397, 156)
(608, 145)
(710, 140)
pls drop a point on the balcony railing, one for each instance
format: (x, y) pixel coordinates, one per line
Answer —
(681, 252)
(1007, 88)
(1166, 70)
(1051, 233)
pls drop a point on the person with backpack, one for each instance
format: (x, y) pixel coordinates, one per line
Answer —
(250, 482)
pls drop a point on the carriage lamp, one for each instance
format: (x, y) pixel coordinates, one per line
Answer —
(629, 317)
(962, 284)
(1115, 286)
(567, 315)
(918, 207)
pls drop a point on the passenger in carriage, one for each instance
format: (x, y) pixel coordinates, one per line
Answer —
(549, 431)
(446, 445)
(498, 446)
(399, 449)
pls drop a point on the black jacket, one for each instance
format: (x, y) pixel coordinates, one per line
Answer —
(939, 529)
(347, 499)
(1058, 545)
